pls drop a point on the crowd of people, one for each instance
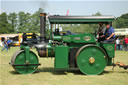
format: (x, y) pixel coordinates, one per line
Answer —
(6, 44)
(122, 44)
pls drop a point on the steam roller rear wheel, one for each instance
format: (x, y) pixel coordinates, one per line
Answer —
(91, 60)
(19, 58)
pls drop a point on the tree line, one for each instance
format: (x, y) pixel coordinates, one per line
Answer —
(20, 22)
(26, 22)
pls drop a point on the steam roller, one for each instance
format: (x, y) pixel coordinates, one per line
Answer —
(69, 50)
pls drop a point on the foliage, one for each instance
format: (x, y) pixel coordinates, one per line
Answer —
(122, 21)
(97, 14)
(4, 25)
(82, 28)
(12, 20)
(26, 22)
(21, 22)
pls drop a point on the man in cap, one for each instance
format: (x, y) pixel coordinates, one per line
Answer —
(109, 33)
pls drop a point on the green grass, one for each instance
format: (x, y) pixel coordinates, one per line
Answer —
(47, 75)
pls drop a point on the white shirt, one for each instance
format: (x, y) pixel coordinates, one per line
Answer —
(117, 41)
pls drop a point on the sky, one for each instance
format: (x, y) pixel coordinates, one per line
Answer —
(60, 7)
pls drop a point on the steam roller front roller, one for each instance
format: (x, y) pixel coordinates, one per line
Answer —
(91, 60)
(24, 63)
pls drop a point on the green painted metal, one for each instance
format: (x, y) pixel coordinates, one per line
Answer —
(50, 51)
(61, 57)
(109, 48)
(76, 45)
(80, 19)
(79, 38)
(91, 52)
(25, 57)
(27, 53)
(57, 38)
(22, 47)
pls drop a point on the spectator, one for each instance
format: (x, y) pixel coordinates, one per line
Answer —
(121, 44)
(9, 43)
(124, 45)
(0, 43)
(118, 43)
(5, 46)
(126, 41)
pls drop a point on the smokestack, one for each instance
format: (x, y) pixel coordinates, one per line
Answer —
(42, 26)
(42, 52)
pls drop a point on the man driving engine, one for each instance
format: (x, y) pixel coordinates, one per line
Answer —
(109, 34)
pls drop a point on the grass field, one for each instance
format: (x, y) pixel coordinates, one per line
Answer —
(47, 75)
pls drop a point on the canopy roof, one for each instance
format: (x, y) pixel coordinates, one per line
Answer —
(80, 19)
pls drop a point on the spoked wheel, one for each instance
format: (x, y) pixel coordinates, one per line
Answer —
(91, 60)
(23, 64)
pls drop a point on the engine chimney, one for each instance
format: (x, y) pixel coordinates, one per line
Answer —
(42, 26)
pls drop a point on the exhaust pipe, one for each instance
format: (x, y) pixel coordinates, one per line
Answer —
(42, 27)
(42, 48)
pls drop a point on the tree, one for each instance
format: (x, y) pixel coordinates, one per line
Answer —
(35, 21)
(24, 22)
(12, 19)
(21, 22)
(4, 25)
(122, 21)
(97, 14)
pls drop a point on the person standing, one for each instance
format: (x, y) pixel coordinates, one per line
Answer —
(118, 43)
(9, 43)
(5, 46)
(124, 45)
(126, 41)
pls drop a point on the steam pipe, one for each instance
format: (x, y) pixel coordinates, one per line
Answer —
(42, 26)
(44, 50)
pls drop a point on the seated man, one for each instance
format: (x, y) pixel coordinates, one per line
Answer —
(109, 34)
(101, 32)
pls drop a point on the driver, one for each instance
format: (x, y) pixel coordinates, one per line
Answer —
(109, 34)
